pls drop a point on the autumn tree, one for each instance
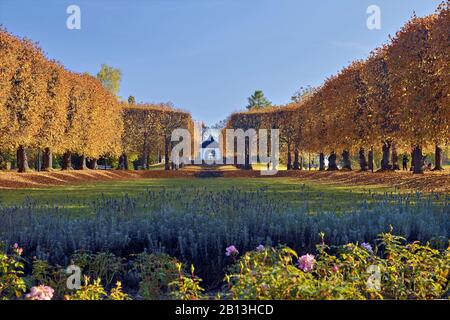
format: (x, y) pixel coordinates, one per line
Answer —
(142, 131)
(24, 104)
(284, 120)
(171, 120)
(356, 125)
(303, 93)
(439, 52)
(398, 97)
(54, 114)
(416, 88)
(149, 128)
(9, 54)
(249, 120)
(105, 139)
(314, 127)
(77, 119)
(45, 107)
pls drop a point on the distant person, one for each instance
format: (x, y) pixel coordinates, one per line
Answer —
(405, 163)
(426, 164)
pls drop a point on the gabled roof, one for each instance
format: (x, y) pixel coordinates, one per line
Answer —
(210, 143)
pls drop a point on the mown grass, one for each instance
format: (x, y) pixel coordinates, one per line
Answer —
(77, 199)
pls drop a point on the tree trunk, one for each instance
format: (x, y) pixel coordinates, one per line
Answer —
(321, 162)
(395, 165)
(289, 157)
(235, 156)
(83, 165)
(47, 160)
(332, 166)
(417, 160)
(38, 161)
(144, 159)
(370, 159)
(438, 159)
(22, 159)
(386, 153)
(120, 165)
(296, 159)
(166, 155)
(148, 161)
(67, 161)
(247, 165)
(93, 164)
(362, 160)
(346, 160)
(125, 162)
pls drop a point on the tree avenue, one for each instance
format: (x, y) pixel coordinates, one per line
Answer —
(148, 131)
(396, 101)
(48, 110)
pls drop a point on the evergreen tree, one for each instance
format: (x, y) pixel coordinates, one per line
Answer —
(258, 101)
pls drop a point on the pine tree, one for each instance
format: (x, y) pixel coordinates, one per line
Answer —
(258, 101)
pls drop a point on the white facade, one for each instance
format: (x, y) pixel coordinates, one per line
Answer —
(210, 150)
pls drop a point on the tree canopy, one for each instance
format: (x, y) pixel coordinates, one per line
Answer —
(398, 98)
(110, 78)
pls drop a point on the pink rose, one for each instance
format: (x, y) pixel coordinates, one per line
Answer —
(231, 251)
(306, 262)
(40, 293)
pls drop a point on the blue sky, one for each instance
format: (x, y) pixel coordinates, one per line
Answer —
(208, 56)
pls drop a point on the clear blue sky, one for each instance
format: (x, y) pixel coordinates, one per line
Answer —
(208, 56)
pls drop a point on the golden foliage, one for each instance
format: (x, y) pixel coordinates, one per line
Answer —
(399, 94)
(148, 127)
(42, 105)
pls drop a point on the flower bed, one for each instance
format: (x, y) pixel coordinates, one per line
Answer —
(391, 269)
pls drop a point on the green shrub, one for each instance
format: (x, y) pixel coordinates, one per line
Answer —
(95, 291)
(413, 271)
(53, 276)
(12, 285)
(117, 293)
(103, 265)
(156, 271)
(390, 269)
(402, 271)
(186, 287)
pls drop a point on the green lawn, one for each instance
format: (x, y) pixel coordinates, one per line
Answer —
(78, 198)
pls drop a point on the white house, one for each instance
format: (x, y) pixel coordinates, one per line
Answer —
(210, 150)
